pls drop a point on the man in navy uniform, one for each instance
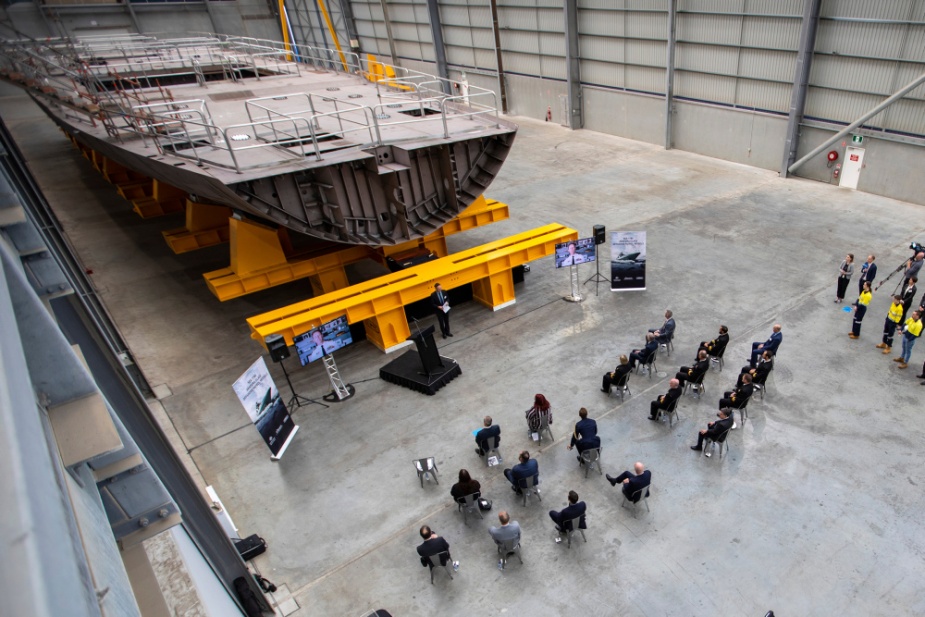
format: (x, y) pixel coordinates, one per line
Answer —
(441, 306)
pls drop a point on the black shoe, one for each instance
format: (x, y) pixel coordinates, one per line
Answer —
(613, 481)
(605, 391)
(698, 448)
(444, 336)
(653, 418)
(920, 376)
(479, 452)
(449, 334)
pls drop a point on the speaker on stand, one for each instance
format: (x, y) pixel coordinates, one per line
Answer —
(600, 237)
(279, 351)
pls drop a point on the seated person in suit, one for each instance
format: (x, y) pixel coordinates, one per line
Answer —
(433, 545)
(623, 369)
(771, 345)
(541, 409)
(526, 468)
(643, 355)
(664, 334)
(573, 510)
(666, 400)
(633, 483)
(760, 371)
(482, 437)
(738, 398)
(714, 429)
(585, 435)
(717, 345)
(694, 373)
(508, 531)
(465, 486)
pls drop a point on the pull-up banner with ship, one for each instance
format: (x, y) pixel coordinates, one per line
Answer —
(264, 406)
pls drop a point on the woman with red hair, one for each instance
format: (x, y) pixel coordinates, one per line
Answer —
(535, 415)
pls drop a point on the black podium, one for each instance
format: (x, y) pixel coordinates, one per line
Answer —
(427, 350)
(424, 370)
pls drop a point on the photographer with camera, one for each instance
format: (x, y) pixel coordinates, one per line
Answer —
(915, 264)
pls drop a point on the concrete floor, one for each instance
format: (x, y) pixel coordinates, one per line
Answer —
(815, 511)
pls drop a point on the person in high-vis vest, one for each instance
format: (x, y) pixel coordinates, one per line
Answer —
(860, 309)
(889, 324)
(912, 330)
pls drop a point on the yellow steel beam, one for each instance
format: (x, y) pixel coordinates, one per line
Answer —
(380, 302)
(333, 31)
(206, 225)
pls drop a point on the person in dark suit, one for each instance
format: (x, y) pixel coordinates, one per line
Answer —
(623, 369)
(760, 371)
(633, 483)
(694, 373)
(441, 306)
(714, 429)
(771, 345)
(573, 510)
(434, 545)
(868, 273)
(908, 296)
(664, 334)
(465, 486)
(526, 468)
(666, 400)
(738, 398)
(482, 437)
(585, 435)
(643, 355)
(717, 345)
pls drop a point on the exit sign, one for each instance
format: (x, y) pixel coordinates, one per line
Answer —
(856, 139)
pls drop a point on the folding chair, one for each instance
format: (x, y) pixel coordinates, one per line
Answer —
(426, 466)
(591, 457)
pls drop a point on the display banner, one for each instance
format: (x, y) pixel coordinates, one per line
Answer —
(262, 402)
(627, 260)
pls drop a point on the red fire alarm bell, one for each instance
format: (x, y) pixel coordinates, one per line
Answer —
(833, 156)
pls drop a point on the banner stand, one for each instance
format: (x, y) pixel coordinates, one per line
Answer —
(576, 286)
(275, 457)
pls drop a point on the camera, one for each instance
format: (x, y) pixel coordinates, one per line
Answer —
(916, 247)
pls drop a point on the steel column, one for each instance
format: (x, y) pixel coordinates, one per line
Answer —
(439, 50)
(496, 31)
(801, 81)
(388, 31)
(669, 69)
(573, 65)
(912, 85)
(350, 24)
(208, 4)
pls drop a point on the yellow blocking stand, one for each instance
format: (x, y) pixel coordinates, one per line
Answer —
(380, 303)
(206, 225)
(258, 262)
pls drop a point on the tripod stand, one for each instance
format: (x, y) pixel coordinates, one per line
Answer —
(298, 400)
(597, 278)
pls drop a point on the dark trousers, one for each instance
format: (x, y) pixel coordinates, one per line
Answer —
(626, 475)
(756, 353)
(745, 369)
(682, 375)
(700, 438)
(842, 286)
(637, 356)
(859, 313)
(654, 406)
(889, 329)
(444, 320)
(510, 478)
(726, 402)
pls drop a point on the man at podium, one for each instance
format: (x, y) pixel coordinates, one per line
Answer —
(441, 306)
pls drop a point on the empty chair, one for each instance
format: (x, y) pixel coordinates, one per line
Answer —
(622, 386)
(589, 457)
(426, 467)
(508, 548)
(435, 563)
(709, 444)
(572, 526)
(672, 409)
(469, 505)
(528, 486)
(640, 495)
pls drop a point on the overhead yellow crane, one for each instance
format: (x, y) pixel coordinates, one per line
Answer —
(380, 303)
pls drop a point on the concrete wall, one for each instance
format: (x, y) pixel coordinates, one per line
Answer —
(628, 115)
(735, 135)
(890, 169)
(530, 96)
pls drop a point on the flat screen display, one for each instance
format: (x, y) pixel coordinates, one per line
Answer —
(325, 339)
(575, 252)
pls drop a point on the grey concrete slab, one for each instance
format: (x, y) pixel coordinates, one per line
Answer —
(813, 511)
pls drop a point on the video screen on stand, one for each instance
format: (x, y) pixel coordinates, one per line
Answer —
(575, 252)
(325, 339)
